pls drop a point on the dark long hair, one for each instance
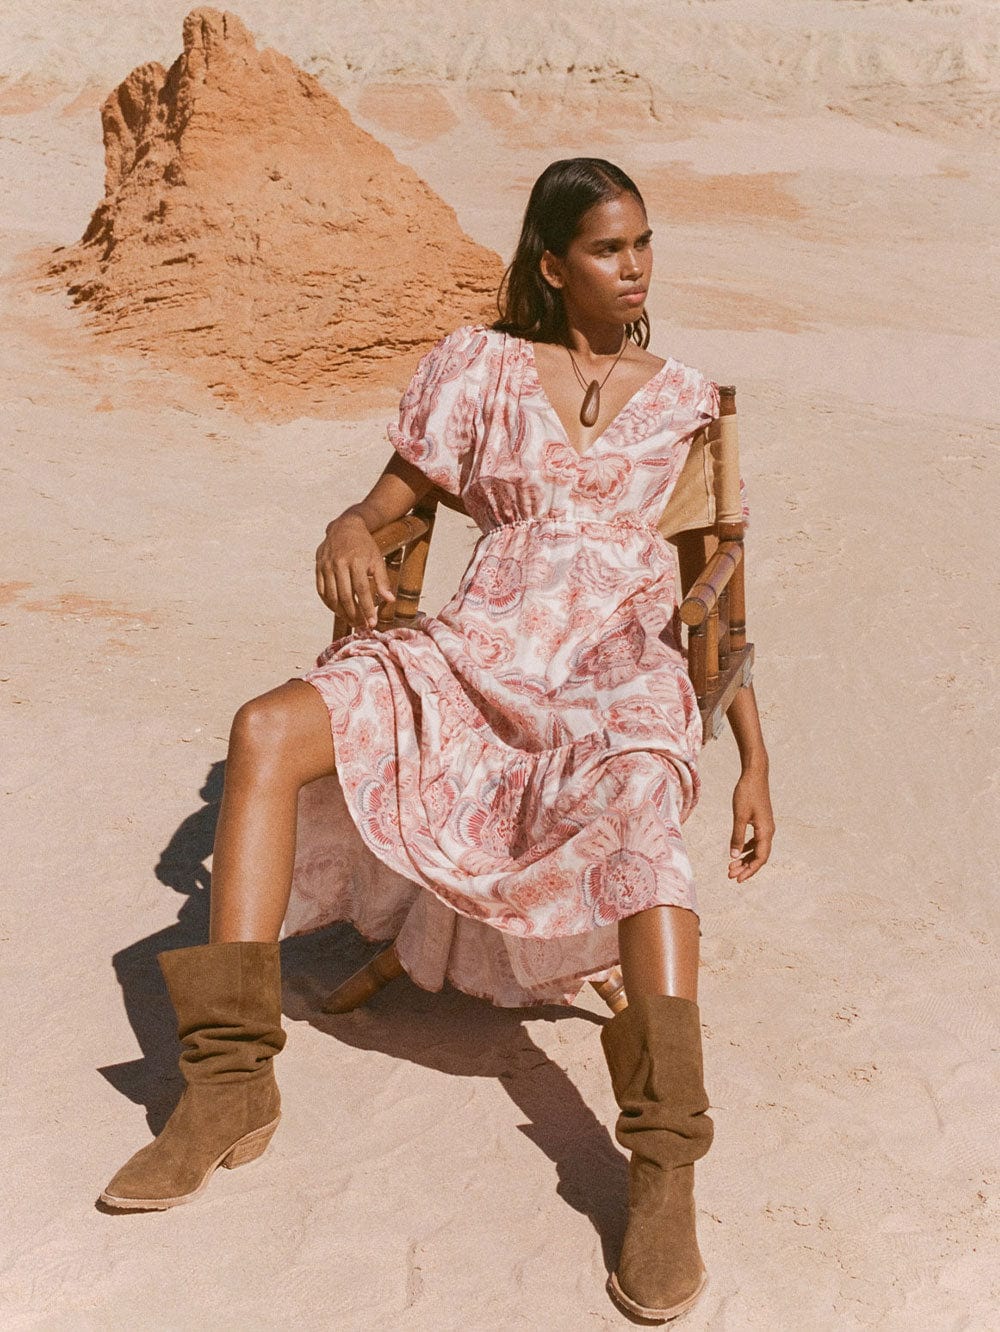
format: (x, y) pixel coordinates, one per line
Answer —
(528, 306)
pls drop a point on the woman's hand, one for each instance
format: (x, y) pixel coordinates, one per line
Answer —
(751, 805)
(752, 797)
(347, 563)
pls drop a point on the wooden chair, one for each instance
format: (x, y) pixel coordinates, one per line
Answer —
(704, 521)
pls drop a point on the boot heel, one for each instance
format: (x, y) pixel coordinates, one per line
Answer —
(251, 1146)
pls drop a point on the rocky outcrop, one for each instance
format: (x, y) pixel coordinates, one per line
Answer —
(252, 234)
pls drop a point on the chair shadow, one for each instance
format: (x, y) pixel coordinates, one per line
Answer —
(454, 1033)
(450, 1032)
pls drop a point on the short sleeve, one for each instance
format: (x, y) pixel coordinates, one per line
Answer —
(687, 398)
(441, 411)
(706, 397)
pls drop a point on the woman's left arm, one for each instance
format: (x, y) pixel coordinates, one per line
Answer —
(752, 796)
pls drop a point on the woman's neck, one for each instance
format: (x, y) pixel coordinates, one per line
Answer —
(593, 338)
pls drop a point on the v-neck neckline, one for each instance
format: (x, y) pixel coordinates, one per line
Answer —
(585, 453)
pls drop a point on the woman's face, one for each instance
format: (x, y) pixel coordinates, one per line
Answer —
(610, 256)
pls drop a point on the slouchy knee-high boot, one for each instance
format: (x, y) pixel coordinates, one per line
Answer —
(654, 1055)
(227, 998)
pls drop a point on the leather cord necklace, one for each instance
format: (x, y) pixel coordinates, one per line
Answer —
(590, 409)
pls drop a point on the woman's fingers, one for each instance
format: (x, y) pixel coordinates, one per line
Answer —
(360, 578)
(349, 580)
(740, 865)
(327, 585)
(737, 842)
(321, 577)
(751, 813)
(327, 589)
(754, 853)
(345, 594)
(382, 585)
(354, 597)
(747, 868)
(738, 856)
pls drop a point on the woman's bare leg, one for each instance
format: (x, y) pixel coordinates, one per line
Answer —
(278, 743)
(658, 949)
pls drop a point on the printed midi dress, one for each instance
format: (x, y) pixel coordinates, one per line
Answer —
(513, 772)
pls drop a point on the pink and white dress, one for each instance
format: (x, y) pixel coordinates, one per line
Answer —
(513, 772)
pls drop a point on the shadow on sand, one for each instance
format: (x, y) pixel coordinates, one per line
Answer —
(449, 1032)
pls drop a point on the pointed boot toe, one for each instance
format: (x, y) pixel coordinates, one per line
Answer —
(204, 1132)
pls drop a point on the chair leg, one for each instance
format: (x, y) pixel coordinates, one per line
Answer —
(386, 966)
(366, 982)
(612, 991)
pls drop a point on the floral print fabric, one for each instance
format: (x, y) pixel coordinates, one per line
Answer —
(517, 767)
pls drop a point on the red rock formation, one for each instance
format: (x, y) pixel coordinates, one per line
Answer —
(254, 236)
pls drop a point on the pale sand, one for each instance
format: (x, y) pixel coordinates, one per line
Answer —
(820, 177)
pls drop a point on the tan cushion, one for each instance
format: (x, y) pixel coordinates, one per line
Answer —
(692, 500)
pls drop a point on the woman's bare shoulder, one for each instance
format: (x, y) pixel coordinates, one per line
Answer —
(646, 359)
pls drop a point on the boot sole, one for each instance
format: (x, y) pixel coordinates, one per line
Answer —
(662, 1314)
(242, 1152)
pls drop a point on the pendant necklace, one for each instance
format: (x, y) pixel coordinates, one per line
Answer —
(591, 408)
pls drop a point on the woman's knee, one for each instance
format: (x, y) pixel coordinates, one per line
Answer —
(258, 727)
(284, 728)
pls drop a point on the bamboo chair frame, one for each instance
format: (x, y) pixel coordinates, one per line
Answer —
(704, 521)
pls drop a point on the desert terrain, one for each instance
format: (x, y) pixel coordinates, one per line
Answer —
(178, 426)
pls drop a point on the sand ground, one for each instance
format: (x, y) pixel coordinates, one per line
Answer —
(821, 180)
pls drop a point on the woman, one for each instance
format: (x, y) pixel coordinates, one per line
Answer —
(527, 756)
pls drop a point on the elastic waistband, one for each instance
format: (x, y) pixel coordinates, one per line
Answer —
(633, 524)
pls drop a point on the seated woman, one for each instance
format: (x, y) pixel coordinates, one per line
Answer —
(525, 757)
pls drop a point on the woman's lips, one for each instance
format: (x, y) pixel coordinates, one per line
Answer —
(633, 297)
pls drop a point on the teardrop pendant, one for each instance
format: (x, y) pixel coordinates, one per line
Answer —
(591, 408)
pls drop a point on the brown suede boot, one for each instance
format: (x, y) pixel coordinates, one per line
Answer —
(227, 998)
(653, 1049)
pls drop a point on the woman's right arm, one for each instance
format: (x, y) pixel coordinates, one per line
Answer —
(348, 561)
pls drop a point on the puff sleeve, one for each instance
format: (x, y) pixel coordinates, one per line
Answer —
(441, 412)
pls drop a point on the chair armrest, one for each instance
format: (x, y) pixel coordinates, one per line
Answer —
(704, 594)
(393, 536)
(403, 544)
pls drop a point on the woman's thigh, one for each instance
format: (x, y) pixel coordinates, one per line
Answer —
(285, 733)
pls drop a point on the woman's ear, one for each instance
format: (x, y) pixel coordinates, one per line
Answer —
(549, 265)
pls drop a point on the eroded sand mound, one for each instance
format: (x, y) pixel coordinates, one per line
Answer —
(254, 236)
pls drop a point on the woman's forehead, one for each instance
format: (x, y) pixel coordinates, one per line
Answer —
(611, 218)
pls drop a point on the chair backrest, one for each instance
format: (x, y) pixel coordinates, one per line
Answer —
(704, 520)
(707, 491)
